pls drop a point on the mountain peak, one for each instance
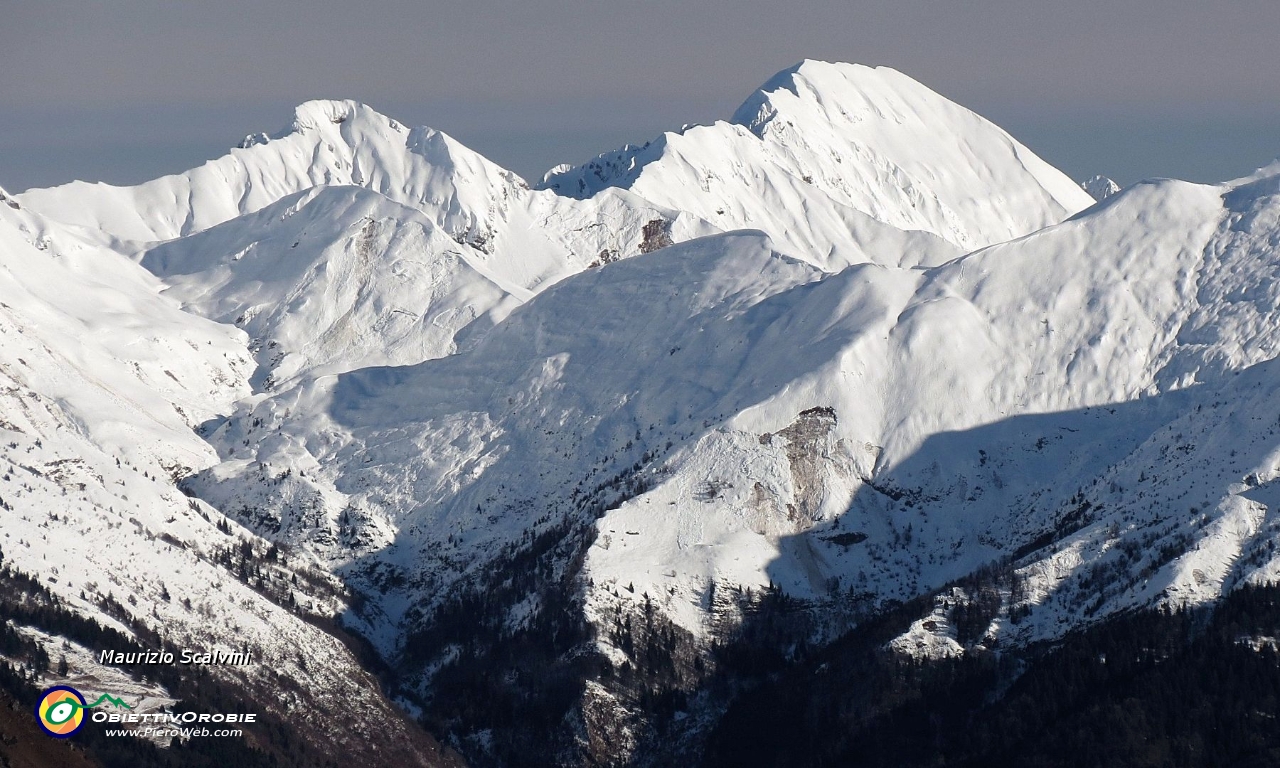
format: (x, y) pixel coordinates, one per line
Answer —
(844, 143)
(1100, 187)
(324, 114)
(328, 142)
(318, 113)
(812, 80)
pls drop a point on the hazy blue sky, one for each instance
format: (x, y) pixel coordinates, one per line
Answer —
(124, 90)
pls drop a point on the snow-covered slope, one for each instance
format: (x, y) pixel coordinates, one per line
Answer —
(975, 406)
(103, 382)
(598, 362)
(153, 371)
(873, 430)
(332, 279)
(821, 148)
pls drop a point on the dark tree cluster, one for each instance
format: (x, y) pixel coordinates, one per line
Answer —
(24, 601)
(1192, 687)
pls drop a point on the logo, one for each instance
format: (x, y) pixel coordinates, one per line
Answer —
(60, 710)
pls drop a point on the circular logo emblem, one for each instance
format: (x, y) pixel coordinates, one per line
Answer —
(60, 711)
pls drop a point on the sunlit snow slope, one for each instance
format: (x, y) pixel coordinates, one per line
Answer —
(104, 384)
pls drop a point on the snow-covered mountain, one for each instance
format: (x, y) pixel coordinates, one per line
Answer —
(334, 278)
(821, 147)
(526, 238)
(850, 347)
(741, 419)
(1100, 187)
(808, 392)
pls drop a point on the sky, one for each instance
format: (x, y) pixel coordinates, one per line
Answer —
(127, 90)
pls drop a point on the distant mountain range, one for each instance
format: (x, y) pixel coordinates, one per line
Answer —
(555, 472)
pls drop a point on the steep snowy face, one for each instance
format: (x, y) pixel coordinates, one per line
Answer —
(941, 167)
(1187, 514)
(332, 279)
(729, 177)
(823, 146)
